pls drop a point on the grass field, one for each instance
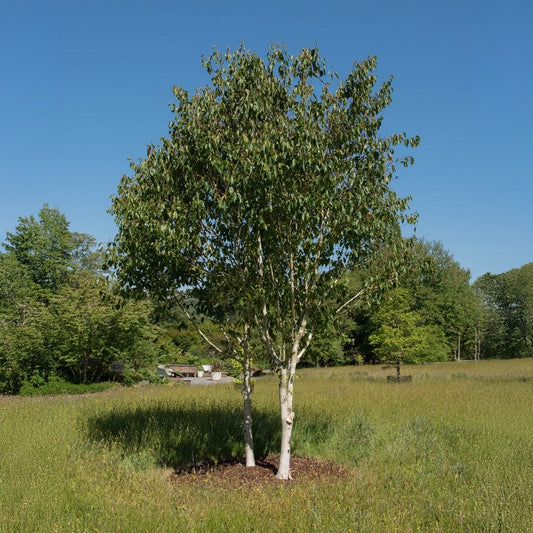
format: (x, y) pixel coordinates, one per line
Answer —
(451, 451)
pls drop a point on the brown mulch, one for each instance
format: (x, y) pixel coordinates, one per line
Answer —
(303, 469)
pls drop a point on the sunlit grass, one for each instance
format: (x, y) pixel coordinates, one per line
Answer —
(451, 451)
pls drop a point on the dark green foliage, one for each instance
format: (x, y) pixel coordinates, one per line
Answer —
(434, 306)
(57, 385)
(60, 318)
(42, 246)
(442, 293)
(402, 334)
(326, 350)
(90, 327)
(508, 320)
(265, 192)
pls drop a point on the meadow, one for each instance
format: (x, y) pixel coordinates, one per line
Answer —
(450, 451)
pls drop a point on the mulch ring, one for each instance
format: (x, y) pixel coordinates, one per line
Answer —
(303, 469)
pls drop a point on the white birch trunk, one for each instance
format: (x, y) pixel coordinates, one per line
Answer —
(286, 388)
(247, 417)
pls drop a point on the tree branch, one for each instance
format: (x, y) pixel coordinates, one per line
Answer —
(348, 302)
(202, 334)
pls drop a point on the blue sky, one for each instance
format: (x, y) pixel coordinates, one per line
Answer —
(85, 85)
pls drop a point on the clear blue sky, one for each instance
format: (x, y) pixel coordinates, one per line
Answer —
(85, 85)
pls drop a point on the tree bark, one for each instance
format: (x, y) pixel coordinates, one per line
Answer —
(398, 376)
(477, 345)
(247, 416)
(286, 386)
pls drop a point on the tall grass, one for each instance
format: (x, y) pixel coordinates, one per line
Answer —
(451, 451)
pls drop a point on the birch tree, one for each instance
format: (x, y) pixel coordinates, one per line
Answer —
(273, 183)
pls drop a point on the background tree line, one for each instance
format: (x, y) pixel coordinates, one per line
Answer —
(61, 317)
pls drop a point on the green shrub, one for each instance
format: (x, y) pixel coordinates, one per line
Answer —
(57, 385)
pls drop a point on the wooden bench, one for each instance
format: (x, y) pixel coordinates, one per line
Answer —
(177, 371)
(183, 371)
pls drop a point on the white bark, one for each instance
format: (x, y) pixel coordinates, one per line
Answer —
(287, 417)
(286, 392)
(247, 417)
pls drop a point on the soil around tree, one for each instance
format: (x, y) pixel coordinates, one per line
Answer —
(235, 473)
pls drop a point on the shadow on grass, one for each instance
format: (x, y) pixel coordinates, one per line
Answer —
(177, 436)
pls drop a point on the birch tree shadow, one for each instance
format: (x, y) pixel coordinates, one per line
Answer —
(182, 436)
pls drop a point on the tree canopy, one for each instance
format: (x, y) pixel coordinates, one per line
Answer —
(59, 317)
(402, 333)
(43, 246)
(274, 181)
(508, 317)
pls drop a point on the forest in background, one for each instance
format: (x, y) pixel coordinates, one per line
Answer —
(63, 317)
